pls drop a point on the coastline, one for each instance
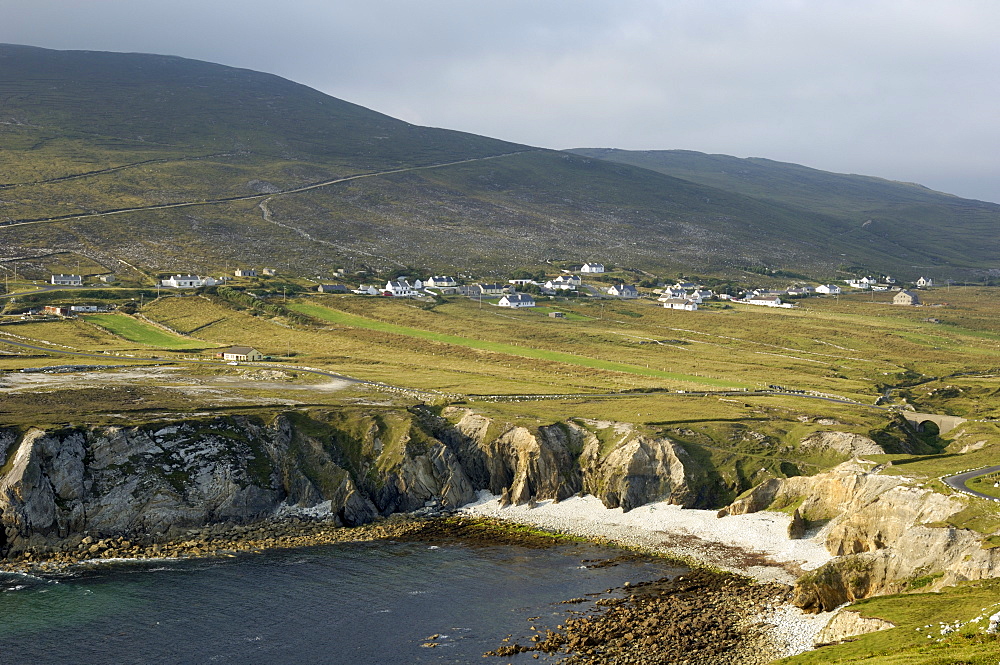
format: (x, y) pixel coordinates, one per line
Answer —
(753, 548)
(754, 545)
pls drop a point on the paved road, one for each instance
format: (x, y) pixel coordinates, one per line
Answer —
(957, 482)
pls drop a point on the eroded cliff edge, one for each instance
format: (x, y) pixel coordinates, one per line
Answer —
(154, 481)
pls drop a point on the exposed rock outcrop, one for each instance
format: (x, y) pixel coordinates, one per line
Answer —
(886, 532)
(847, 623)
(841, 443)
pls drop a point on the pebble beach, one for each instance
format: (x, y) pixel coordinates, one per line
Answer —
(756, 545)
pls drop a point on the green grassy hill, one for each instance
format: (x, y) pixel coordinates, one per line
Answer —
(169, 164)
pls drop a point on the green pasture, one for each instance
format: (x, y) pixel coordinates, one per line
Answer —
(917, 637)
(142, 333)
(342, 318)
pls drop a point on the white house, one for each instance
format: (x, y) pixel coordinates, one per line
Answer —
(242, 353)
(67, 280)
(399, 288)
(623, 291)
(828, 289)
(563, 283)
(366, 290)
(440, 281)
(245, 272)
(680, 303)
(516, 300)
(767, 301)
(799, 290)
(492, 289)
(673, 294)
(592, 267)
(905, 297)
(925, 282)
(187, 282)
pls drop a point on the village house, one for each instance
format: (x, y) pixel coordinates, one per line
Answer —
(399, 288)
(245, 272)
(863, 283)
(672, 293)
(828, 289)
(107, 279)
(439, 281)
(56, 310)
(767, 301)
(187, 282)
(798, 290)
(906, 298)
(244, 353)
(592, 267)
(332, 288)
(925, 283)
(627, 291)
(680, 303)
(268, 272)
(563, 283)
(686, 286)
(76, 309)
(517, 300)
(366, 290)
(67, 280)
(557, 315)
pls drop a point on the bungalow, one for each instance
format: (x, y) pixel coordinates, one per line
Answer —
(925, 282)
(85, 308)
(829, 289)
(332, 288)
(767, 301)
(686, 285)
(517, 300)
(799, 290)
(441, 281)
(187, 282)
(245, 272)
(366, 290)
(242, 353)
(906, 298)
(592, 267)
(107, 279)
(680, 303)
(55, 310)
(623, 291)
(67, 280)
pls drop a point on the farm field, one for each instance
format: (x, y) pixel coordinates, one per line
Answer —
(137, 331)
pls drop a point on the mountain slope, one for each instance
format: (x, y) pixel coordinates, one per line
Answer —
(178, 165)
(941, 226)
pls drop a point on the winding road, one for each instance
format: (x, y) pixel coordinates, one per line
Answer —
(957, 482)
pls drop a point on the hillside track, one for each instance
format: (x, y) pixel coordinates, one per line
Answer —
(252, 197)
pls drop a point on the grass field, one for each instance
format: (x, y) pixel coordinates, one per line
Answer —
(142, 333)
(334, 316)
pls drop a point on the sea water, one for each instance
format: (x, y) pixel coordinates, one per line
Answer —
(377, 603)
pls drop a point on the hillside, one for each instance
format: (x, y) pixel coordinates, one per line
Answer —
(905, 215)
(168, 164)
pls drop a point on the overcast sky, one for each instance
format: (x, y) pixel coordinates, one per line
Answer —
(901, 89)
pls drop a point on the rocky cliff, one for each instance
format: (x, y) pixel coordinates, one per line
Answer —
(153, 480)
(890, 534)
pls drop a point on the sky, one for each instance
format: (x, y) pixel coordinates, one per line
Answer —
(900, 89)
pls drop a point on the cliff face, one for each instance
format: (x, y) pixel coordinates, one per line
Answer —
(878, 524)
(356, 465)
